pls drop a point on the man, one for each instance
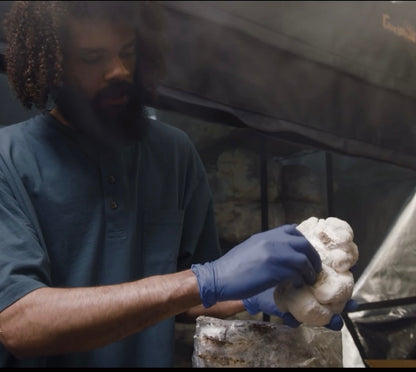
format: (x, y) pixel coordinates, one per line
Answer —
(106, 217)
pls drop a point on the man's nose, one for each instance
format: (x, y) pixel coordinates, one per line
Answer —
(117, 70)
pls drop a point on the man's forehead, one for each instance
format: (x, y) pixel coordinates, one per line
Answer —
(91, 33)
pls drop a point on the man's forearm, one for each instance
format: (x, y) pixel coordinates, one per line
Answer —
(219, 310)
(54, 321)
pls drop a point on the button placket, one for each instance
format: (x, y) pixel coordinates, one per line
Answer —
(111, 180)
(114, 201)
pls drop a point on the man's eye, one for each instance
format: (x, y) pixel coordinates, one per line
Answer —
(91, 59)
(128, 53)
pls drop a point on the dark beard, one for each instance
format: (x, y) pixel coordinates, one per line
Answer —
(107, 125)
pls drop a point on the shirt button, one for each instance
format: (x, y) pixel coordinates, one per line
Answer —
(111, 179)
(113, 205)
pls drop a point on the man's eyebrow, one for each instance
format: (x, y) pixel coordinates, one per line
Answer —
(91, 50)
(103, 50)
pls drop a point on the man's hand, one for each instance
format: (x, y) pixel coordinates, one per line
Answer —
(336, 322)
(264, 302)
(258, 263)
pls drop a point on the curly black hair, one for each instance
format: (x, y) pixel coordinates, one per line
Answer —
(35, 36)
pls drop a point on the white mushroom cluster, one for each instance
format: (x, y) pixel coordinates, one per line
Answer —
(316, 304)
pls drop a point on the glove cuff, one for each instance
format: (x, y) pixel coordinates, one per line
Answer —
(205, 276)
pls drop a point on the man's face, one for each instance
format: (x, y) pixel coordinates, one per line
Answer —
(101, 95)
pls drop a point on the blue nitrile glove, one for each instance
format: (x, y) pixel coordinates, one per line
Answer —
(336, 322)
(258, 263)
(264, 302)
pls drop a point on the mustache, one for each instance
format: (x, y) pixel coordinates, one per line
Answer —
(107, 125)
(116, 90)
